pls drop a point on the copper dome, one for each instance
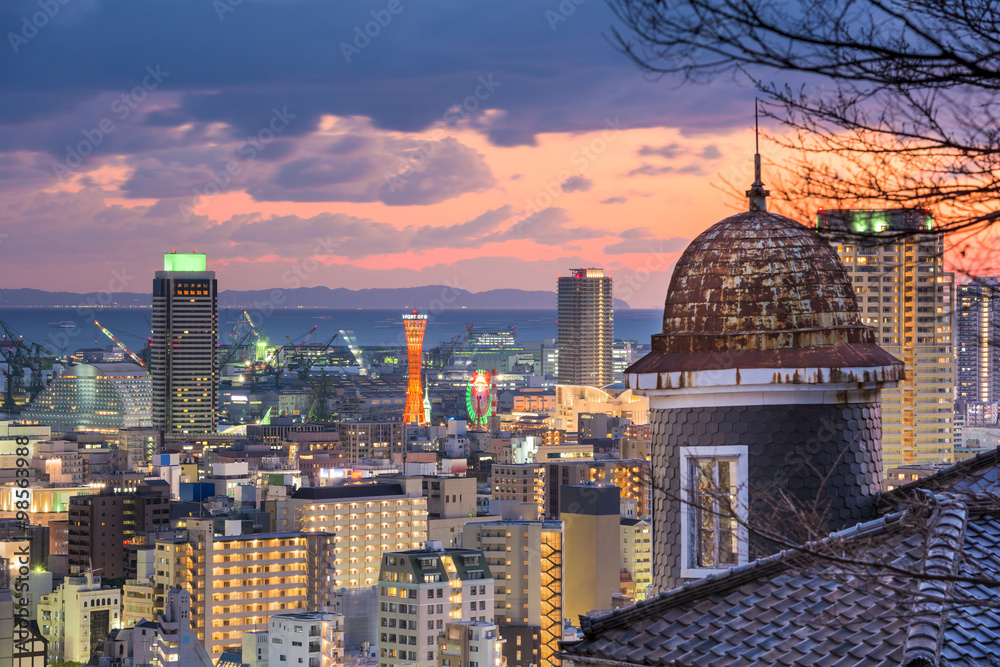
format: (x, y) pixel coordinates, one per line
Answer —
(768, 292)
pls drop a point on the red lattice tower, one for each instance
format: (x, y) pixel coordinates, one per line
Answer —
(414, 324)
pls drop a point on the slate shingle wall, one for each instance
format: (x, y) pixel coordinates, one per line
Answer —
(790, 447)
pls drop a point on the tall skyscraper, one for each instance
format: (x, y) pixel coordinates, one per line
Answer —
(977, 342)
(185, 345)
(905, 295)
(585, 328)
(414, 325)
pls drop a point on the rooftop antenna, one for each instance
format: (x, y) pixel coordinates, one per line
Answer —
(757, 193)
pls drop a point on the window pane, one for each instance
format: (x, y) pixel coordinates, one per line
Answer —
(727, 513)
(713, 529)
(706, 508)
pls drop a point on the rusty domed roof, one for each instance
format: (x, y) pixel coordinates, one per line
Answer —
(759, 272)
(767, 292)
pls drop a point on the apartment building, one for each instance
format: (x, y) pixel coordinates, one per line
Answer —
(631, 476)
(470, 644)
(237, 582)
(311, 639)
(523, 483)
(637, 555)
(905, 294)
(366, 521)
(422, 589)
(526, 559)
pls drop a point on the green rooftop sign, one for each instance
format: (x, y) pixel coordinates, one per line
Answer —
(184, 261)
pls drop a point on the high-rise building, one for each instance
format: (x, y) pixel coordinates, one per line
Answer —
(185, 345)
(907, 297)
(94, 397)
(526, 559)
(414, 325)
(367, 520)
(591, 548)
(977, 342)
(237, 582)
(421, 590)
(370, 440)
(140, 444)
(585, 328)
(521, 483)
(101, 525)
(631, 476)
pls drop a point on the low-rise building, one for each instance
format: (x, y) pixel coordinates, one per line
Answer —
(77, 616)
(314, 639)
(470, 644)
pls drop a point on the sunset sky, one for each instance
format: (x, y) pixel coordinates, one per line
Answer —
(477, 144)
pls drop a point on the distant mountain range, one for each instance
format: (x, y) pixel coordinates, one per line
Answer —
(430, 297)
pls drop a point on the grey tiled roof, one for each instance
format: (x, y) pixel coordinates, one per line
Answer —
(822, 606)
(980, 474)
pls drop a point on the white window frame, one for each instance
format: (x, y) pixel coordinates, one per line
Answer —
(738, 452)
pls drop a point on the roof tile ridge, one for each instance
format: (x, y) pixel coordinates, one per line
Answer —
(734, 577)
(956, 471)
(925, 631)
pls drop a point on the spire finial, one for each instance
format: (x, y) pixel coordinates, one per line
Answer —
(757, 193)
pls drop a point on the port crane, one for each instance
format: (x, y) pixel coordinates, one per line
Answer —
(233, 350)
(136, 358)
(19, 355)
(460, 339)
(305, 339)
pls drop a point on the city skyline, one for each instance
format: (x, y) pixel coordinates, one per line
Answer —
(480, 168)
(367, 414)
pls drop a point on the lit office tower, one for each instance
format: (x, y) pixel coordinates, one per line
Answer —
(977, 330)
(585, 328)
(414, 324)
(184, 345)
(904, 294)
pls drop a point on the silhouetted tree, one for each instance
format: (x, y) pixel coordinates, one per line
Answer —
(887, 103)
